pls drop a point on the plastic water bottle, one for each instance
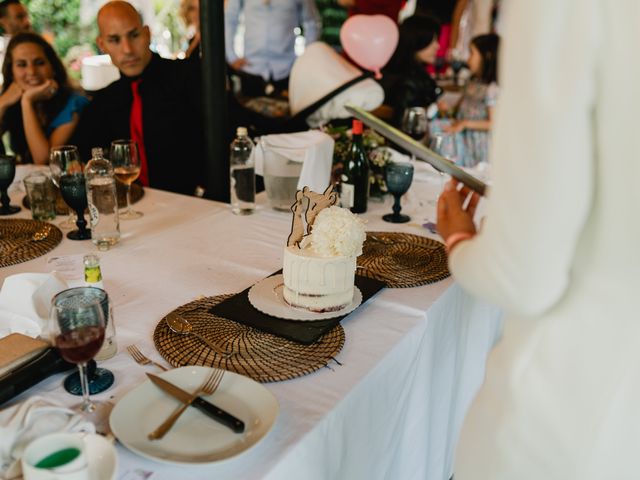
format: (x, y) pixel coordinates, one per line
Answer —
(243, 176)
(103, 201)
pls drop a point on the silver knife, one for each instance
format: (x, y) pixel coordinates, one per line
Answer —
(205, 407)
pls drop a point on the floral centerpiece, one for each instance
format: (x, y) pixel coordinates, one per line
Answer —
(374, 145)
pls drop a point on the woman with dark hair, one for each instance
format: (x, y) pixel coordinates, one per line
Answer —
(405, 80)
(38, 106)
(475, 109)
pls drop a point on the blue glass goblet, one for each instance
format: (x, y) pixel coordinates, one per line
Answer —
(7, 174)
(74, 193)
(398, 177)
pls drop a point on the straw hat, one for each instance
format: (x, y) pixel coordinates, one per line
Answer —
(319, 71)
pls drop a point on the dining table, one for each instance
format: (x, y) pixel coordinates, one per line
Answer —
(392, 404)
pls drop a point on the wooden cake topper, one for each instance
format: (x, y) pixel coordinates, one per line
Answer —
(309, 204)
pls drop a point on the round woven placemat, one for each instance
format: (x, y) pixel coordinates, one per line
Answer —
(253, 353)
(402, 259)
(17, 244)
(137, 192)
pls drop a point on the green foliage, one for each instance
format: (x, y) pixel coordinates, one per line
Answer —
(61, 20)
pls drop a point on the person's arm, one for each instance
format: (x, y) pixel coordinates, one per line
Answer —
(37, 141)
(542, 162)
(310, 21)
(231, 19)
(194, 44)
(455, 22)
(10, 97)
(482, 125)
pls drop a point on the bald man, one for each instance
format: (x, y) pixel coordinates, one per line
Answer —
(156, 102)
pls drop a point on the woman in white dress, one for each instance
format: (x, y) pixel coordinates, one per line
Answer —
(559, 249)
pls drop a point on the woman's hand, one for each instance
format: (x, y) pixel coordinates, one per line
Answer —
(455, 127)
(11, 96)
(41, 92)
(452, 217)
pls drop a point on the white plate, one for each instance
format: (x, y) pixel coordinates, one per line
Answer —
(101, 456)
(266, 296)
(195, 438)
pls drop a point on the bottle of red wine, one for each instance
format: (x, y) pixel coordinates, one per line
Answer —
(354, 187)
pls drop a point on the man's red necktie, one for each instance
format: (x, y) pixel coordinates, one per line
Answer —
(135, 123)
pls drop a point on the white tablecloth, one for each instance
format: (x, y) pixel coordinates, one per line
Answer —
(412, 360)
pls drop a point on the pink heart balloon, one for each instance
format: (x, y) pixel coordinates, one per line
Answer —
(369, 40)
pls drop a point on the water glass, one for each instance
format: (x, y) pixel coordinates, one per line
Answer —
(42, 196)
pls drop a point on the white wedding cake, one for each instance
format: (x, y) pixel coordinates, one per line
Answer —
(319, 271)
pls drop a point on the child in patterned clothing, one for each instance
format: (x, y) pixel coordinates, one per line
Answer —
(474, 111)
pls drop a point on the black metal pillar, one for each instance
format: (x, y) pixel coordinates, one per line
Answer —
(214, 98)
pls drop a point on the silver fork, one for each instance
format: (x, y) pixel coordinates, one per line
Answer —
(142, 359)
(208, 387)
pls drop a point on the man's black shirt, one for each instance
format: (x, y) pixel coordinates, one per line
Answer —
(171, 118)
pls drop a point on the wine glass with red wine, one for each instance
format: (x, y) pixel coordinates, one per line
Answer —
(77, 330)
(415, 124)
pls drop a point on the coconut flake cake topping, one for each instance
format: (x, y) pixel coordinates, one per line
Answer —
(337, 232)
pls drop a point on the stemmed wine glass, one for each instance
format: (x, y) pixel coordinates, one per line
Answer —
(126, 168)
(7, 174)
(415, 123)
(61, 158)
(74, 193)
(78, 330)
(398, 177)
(444, 144)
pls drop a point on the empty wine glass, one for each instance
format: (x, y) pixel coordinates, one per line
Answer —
(444, 144)
(415, 124)
(7, 174)
(62, 158)
(126, 168)
(77, 330)
(398, 177)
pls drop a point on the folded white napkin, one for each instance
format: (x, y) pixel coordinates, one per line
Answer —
(25, 300)
(314, 149)
(26, 421)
